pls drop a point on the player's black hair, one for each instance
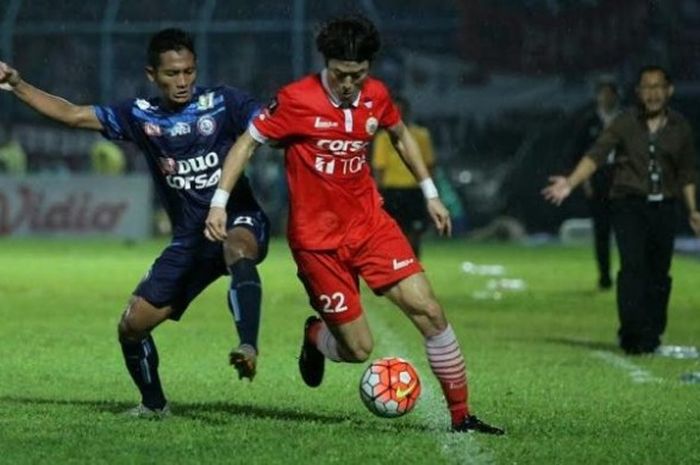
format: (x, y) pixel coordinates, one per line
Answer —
(166, 40)
(348, 38)
(654, 69)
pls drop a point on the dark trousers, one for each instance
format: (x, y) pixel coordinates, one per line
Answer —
(644, 232)
(602, 228)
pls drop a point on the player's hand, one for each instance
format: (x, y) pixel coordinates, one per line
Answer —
(694, 220)
(558, 190)
(215, 229)
(9, 77)
(440, 216)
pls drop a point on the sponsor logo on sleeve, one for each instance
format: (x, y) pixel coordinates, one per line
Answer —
(151, 129)
(398, 264)
(143, 104)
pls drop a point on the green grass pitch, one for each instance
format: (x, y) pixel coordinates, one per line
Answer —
(541, 361)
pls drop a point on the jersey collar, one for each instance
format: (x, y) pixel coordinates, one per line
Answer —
(333, 99)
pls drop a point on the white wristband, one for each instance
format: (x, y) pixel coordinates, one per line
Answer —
(429, 190)
(220, 199)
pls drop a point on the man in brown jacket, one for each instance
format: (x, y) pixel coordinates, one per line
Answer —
(654, 166)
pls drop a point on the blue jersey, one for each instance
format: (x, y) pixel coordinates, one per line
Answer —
(185, 149)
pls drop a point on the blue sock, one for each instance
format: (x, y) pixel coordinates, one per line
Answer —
(141, 359)
(244, 297)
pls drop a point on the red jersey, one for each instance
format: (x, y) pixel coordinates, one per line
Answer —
(333, 199)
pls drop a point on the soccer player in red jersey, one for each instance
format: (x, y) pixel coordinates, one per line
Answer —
(338, 230)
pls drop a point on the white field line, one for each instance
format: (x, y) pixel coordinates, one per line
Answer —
(636, 373)
(456, 448)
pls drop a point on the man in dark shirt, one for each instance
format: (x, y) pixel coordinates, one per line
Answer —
(655, 164)
(597, 189)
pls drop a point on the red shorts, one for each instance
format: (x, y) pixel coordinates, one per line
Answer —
(331, 276)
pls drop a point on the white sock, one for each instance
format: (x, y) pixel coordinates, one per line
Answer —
(445, 358)
(327, 345)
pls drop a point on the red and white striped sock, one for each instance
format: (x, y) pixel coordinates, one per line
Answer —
(325, 342)
(447, 364)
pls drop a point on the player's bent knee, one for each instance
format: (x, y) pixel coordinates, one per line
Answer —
(358, 352)
(235, 252)
(357, 355)
(139, 318)
(127, 330)
(241, 245)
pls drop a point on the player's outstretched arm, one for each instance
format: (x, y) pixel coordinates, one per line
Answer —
(236, 159)
(409, 151)
(560, 187)
(49, 105)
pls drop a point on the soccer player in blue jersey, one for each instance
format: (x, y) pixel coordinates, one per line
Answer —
(185, 133)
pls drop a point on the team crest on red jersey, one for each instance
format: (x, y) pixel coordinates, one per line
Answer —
(371, 125)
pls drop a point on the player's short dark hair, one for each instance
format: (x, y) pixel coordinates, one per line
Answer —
(348, 38)
(166, 40)
(654, 69)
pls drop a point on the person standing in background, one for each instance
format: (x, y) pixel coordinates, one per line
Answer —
(13, 159)
(654, 167)
(403, 197)
(602, 113)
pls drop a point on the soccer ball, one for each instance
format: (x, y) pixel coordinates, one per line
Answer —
(390, 387)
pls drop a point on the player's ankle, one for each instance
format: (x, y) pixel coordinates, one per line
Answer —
(458, 413)
(312, 332)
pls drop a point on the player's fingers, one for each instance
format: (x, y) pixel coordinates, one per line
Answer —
(208, 235)
(443, 223)
(220, 224)
(213, 230)
(211, 233)
(436, 221)
(448, 226)
(221, 231)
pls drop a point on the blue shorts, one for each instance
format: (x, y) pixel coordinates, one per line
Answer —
(191, 262)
